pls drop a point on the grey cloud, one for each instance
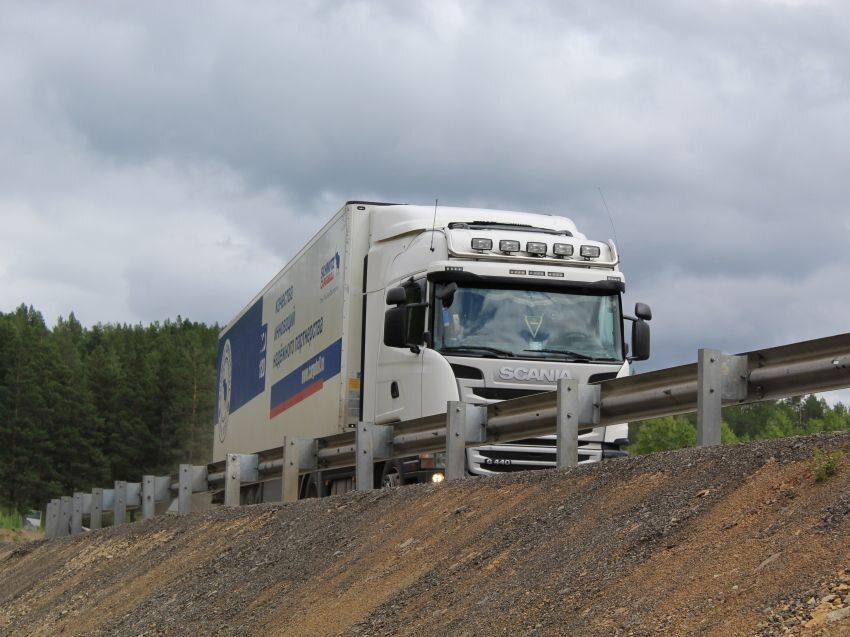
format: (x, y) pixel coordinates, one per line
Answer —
(717, 132)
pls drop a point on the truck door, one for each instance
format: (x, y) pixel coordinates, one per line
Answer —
(399, 374)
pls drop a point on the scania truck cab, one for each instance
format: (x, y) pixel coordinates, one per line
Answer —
(490, 305)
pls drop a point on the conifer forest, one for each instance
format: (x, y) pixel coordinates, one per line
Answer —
(82, 407)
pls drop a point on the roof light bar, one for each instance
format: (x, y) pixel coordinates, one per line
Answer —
(536, 248)
(508, 246)
(563, 249)
(589, 252)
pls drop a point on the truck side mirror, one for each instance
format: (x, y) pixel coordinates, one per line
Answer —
(404, 326)
(395, 325)
(643, 311)
(396, 296)
(416, 324)
(640, 339)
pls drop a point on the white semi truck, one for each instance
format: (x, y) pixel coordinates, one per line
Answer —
(392, 310)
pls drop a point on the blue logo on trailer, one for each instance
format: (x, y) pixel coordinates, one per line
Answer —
(241, 363)
(329, 270)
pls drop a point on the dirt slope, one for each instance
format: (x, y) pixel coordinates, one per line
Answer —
(736, 540)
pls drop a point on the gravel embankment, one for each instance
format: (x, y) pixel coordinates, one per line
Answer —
(737, 540)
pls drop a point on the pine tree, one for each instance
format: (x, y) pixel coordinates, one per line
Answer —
(26, 448)
(76, 427)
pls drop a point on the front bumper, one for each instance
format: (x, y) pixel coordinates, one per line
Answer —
(535, 453)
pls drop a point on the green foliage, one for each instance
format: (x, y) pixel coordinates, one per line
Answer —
(663, 434)
(672, 432)
(26, 446)
(778, 425)
(727, 436)
(824, 465)
(757, 421)
(10, 519)
(83, 407)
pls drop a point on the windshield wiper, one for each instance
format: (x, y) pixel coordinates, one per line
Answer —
(483, 348)
(575, 357)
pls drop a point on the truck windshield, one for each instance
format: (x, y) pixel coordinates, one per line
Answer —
(556, 324)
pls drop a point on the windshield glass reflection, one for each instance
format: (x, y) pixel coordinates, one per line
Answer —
(558, 324)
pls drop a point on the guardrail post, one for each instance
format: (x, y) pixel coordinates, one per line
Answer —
(148, 497)
(455, 440)
(232, 474)
(77, 514)
(66, 504)
(464, 423)
(184, 490)
(96, 515)
(52, 524)
(709, 396)
(191, 479)
(364, 457)
(299, 454)
(567, 418)
(290, 471)
(372, 442)
(119, 504)
(47, 509)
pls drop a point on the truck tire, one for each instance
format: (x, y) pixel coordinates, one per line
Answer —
(311, 487)
(393, 474)
(341, 486)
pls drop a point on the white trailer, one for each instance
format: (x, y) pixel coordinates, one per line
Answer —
(392, 310)
(289, 363)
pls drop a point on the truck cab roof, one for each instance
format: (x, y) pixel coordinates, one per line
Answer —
(393, 220)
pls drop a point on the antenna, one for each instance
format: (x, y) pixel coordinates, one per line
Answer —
(610, 218)
(434, 224)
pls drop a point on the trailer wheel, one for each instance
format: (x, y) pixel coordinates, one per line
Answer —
(312, 487)
(341, 486)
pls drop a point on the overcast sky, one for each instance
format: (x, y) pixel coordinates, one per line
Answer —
(167, 158)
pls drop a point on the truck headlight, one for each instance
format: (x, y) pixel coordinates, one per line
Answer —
(589, 252)
(482, 244)
(437, 477)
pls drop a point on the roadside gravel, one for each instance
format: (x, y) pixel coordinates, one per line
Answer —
(736, 540)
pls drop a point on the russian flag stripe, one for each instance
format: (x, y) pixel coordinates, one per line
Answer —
(306, 380)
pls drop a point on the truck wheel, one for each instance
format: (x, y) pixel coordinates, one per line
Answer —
(393, 475)
(253, 494)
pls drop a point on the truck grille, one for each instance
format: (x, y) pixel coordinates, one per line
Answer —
(504, 454)
(524, 455)
(503, 393)
(508, 460)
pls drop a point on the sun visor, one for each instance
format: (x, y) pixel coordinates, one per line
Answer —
(460, 276)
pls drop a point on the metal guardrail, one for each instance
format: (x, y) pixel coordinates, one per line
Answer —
(715, 380)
